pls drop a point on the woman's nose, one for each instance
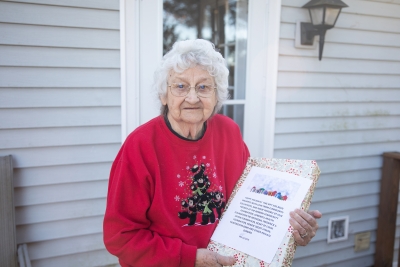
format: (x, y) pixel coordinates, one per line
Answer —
(192, 96)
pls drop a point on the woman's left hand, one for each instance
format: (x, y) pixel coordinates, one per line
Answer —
(304, 225)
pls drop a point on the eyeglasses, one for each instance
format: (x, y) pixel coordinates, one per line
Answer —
(182, 89)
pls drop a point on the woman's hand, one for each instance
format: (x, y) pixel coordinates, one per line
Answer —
(304, 225)
(207, 258)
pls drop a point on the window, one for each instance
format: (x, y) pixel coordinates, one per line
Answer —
(224, 23)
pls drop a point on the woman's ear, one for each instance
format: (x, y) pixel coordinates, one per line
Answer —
(214, 110)
(163, 99)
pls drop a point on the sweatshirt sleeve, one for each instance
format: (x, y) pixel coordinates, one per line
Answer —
(246, 153)
(126, 226)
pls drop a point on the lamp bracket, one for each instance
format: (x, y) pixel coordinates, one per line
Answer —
(310, 44)
(308, 33)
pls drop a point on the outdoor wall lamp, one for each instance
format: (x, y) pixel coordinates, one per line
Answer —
(324, 14)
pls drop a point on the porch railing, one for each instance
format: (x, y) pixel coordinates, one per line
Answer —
(8, 243)
(389, 195)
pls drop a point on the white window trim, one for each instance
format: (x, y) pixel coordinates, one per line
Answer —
(262, 76)
(262, 72)
(129, 37)
(138, 49)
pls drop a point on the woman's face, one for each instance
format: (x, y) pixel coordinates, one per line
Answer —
(190, 109)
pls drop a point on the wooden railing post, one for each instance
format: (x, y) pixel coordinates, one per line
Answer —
(8, 243)
(385, 234)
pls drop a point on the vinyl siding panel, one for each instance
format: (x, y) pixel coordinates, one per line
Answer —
(339, 50)
(84, 207)
(62, 97)
(390, 9)
(336, 138)
(36, 195)
(92, 258)
(327, 95)
(59, 229)
(60, 119)
(351, 36)
(350, 164)
(62, 247)
(341, 65)
(344, 112)
(38, 176)
(35, 35)
(336, 124)
(312, 110)
(28, 56)
(54, 117)
(350, 20)
(341, 151)
(350, 80)
(58, 77)
(72, 136)
(58, 16)
(92, 4)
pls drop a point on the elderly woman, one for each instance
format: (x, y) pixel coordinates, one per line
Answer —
(172, 177)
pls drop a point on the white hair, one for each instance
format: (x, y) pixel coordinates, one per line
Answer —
(188, 54)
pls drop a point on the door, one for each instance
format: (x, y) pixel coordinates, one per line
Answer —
(224, 23)
(246, 32)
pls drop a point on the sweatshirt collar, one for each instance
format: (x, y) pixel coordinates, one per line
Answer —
(180, 136)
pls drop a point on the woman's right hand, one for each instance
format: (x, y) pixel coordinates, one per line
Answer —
(207, 258)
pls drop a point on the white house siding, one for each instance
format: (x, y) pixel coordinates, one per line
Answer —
(60, 120)
(343, 111)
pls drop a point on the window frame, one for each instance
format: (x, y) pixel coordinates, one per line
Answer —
(141, 51)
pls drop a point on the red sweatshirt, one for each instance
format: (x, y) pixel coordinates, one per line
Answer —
(166, 194)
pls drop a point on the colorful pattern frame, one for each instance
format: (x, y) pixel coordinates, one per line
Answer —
(285, 254)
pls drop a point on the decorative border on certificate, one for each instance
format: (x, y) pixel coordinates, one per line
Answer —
(285, 253)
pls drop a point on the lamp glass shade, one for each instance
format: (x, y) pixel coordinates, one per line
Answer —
(331, 15)
(317, 15)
